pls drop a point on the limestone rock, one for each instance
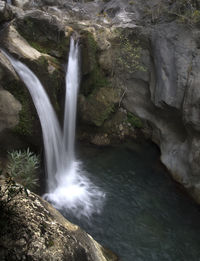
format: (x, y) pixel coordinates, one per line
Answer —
(99, 105)
(46, 68)
(9, 110)
(20, 3)
(5, 12)
(31, 229)
(158, 73)
(45, 33)
(17, 45)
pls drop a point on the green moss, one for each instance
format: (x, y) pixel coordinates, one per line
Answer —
(58, 49)
(38, 47)
(129, 56)
(25, 125)
(100, 105)
(44, 36)
(42, 61)
(134, 120)
(94, 78)
(104, 115)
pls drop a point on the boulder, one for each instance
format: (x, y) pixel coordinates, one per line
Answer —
(31, 229)
(45, 33)
(99, 105)
(17, 45)
(9, 110)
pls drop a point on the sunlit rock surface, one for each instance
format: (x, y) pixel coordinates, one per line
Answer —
(31, 229)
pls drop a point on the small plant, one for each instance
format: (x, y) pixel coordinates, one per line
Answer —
(23, 166)
(187, 11)
(134, 120)
(130, 54)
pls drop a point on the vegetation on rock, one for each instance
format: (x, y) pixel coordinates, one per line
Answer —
(129, 57)
(23, 167)
(99, 105)
(93, 77)
(188, 11)
(134, 120)
(44, 33)
(26, 118)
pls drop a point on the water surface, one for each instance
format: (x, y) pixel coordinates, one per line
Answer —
(146, 216)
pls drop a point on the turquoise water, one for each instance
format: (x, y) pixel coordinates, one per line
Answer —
(146, 216)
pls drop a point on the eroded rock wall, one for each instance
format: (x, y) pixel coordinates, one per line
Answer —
(31, 229)
(145, 52)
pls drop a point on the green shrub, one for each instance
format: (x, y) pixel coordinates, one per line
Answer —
(23, 167)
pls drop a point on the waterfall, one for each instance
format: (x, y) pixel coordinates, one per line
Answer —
(52, 135)
(72, 85)
(69, 188)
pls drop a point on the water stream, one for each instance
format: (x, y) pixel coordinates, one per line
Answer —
(145, 216)
(69, 189)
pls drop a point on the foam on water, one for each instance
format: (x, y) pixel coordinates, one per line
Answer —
(69, 188)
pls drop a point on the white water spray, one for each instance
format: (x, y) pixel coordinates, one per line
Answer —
(68, 187)
(72, 86)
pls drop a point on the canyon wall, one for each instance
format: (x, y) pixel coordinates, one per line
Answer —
(140, 73)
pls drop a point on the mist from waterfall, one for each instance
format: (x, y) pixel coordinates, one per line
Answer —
(69, 188)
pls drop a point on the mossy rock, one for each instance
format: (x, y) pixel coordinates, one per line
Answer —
(11, 83)
(135, 121)
(93, 77)
(52, 76)
(26, 117)
(99, 105)
(45, 33)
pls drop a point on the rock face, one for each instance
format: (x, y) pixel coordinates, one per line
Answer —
(147, 52)
(31, 229)
(9, 110)
(99, 105)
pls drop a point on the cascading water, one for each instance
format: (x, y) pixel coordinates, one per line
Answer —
(69, 189)
(72, 86)
(74, 191)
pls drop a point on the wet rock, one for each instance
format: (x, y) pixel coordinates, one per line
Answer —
(9, 110)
